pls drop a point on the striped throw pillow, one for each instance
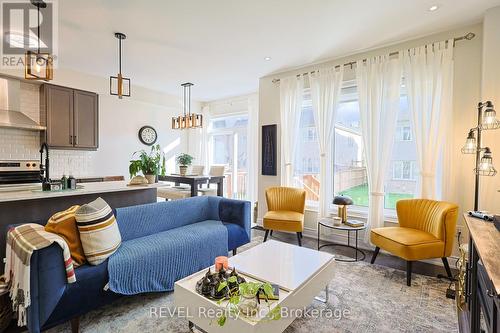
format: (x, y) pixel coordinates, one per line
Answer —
(99, 231)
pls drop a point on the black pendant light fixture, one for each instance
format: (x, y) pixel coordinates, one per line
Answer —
(119, 85)
(38, 65)
(187, 120)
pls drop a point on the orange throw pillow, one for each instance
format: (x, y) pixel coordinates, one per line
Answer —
(64, 225)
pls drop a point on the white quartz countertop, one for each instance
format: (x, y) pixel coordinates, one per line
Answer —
(83, 188)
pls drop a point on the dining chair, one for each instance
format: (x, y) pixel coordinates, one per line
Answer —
(215, 171)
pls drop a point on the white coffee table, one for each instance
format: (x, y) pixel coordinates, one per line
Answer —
(300, 272)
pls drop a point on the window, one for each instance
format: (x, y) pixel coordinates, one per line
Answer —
(349, 166)
(403, 170)
(306, 166)
(350, 176)
(228, 146)
(403, 132)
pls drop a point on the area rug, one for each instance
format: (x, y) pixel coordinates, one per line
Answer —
(367, 298)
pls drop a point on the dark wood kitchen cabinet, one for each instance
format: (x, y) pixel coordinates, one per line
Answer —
(71, 117)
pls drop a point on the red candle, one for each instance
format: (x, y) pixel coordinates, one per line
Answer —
(221, 262)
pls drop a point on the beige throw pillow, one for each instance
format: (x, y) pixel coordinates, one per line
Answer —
(99, 231)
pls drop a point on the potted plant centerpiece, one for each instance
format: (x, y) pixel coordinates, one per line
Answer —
(184, 160)
(150, 164)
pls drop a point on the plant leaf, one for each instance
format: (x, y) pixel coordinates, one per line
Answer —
(222, 320)
(222, 285)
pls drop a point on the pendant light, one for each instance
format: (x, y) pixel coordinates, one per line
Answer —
(119, 85)
(38, 65)
(187, 120)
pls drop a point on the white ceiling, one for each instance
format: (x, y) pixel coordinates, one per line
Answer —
(220, 45)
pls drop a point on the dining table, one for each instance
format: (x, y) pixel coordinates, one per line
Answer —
(195, 181)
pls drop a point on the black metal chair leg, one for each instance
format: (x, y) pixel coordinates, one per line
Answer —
(271, 233)
(299, 239)
(447, 267)
(408, 273)
(267, 234)
(375, 254)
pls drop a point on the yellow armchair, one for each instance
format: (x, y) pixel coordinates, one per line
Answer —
(286, 207)
(426, 230)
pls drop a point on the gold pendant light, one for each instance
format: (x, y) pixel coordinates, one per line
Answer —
(119, 85)
(187, 120)
(38, 65)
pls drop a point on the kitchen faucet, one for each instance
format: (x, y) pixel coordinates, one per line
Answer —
(45, 168)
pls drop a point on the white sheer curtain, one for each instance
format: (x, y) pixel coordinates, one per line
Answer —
(325, 93)
(291, 96)
(379, 81)
(428, 72)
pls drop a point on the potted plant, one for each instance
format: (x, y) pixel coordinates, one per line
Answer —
(184, 160)
(244, 299)
(150, 164)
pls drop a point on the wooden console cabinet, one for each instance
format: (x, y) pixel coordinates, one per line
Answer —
(71, 117)
(483, 278)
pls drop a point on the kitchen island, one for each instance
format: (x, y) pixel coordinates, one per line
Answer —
(33, 205)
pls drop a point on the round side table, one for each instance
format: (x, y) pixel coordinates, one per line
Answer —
(328, 223)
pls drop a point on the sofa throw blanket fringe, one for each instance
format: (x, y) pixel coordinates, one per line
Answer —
(21, 242)
(153, 263)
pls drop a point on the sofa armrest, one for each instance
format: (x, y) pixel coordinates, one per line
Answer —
(47, 284)
(234, 211)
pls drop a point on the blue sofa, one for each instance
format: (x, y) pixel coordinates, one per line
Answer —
(54, 301)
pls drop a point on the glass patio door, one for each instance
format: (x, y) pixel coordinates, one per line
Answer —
(228, 142)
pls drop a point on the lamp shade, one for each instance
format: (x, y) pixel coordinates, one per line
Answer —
(470, 146)
(342, 200)
(490, 120)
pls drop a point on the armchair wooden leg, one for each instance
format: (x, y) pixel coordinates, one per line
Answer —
(301, 236)
(75, 325)
(234, 252)
(375, 254)
(299, 239)
(267, 234)
(271, 234)
(447, 267)
(408, 273)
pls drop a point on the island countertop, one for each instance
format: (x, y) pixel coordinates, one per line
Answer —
(83, 189)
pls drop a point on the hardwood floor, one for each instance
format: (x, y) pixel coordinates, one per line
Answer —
(382, 258)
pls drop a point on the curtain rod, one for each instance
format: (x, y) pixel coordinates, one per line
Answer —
(467, 36)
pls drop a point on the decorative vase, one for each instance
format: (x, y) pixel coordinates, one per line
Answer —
(183, 170)
(248, 304)
(151, 178)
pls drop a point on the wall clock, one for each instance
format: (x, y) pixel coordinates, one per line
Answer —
(148, 135)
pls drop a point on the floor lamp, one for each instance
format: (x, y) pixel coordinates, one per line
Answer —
(486, 120)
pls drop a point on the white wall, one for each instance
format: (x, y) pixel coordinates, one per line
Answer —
(467, 85)
(490, 186)
(119, 122)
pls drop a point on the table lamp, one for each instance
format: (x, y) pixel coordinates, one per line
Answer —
(342, 201)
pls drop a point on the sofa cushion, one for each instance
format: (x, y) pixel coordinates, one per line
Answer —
(153, 263)
(284, 220)
(98, 231)
(408, 243)
(144, 220)
(64, 224)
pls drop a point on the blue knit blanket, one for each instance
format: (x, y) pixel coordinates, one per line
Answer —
(153, 263)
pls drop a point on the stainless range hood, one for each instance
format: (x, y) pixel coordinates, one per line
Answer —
(10, 111)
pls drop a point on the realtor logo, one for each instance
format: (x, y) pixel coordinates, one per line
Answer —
(24, 29)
